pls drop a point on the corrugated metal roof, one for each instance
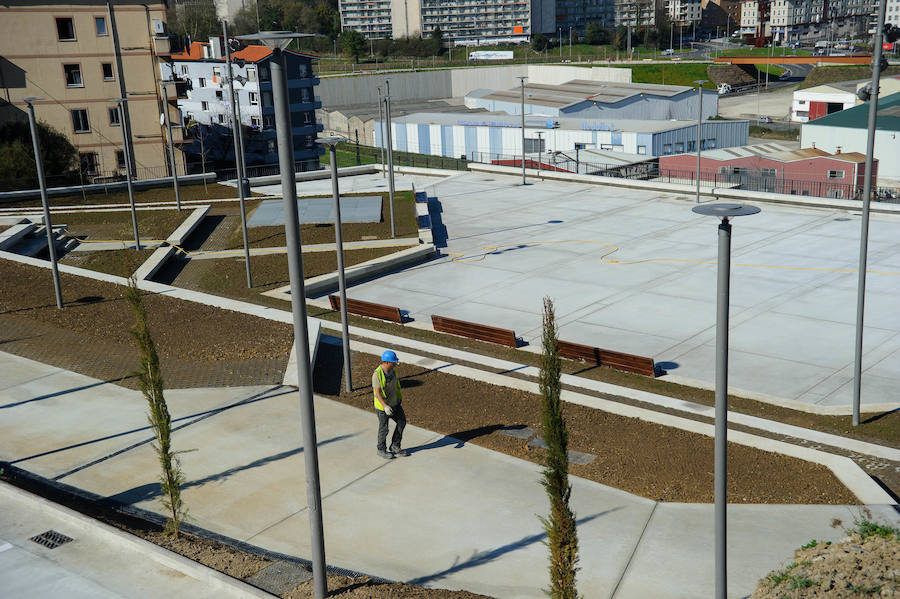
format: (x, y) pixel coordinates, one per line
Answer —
(580, 90)
(778, 152)
(858, 116)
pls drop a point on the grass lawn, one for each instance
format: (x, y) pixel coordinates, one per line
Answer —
(229, 276)
(210, 191)
(404, 213)
(345, 158)
(107, 226)
(121, 263)
(669, 74)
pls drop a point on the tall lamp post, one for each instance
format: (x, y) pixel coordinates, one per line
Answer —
(125, 147)
(45, 203)
(238, 135)
(725, 212)
(522, 82)
(699, 83)
(381, 130)
(867, 197)
(165, 88)
(277, 41)
(390, 153)
(332, 143)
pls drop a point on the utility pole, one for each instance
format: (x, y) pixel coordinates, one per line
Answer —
(867, 198)
(238, 152)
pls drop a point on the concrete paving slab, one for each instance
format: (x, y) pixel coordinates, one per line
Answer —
(354, 209)
(650, 313)
(608, 337)
(527, 297)
(760, 539)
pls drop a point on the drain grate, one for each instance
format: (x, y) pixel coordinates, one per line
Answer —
(51, 539)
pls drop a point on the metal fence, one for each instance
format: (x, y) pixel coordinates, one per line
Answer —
(80, 178)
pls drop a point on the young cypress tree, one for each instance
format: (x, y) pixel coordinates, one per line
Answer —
(562, 536)
(151, 385)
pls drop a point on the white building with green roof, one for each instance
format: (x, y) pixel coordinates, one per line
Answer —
(846, 131)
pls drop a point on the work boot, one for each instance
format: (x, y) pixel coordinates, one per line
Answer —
(399, 452)
(385, 454)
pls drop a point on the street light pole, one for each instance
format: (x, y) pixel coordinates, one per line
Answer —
(381, 130)
(277, 41)
(522, 82)
(237, 134)
(332, 143)
(867, 198)
(390, 154)
(699, 83)
(134, 224)
(540, 135)
(165, 87)
(723, 211)
(45, 202)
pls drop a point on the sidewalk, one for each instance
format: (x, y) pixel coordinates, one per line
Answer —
(452, 515)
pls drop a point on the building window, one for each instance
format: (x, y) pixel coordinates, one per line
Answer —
(835, 193)
(120, 159)
(271, 146)
(769, 172)
(108, 71)
(263, 73)
(679, 147)
(642, 149)
(251, 74)
(184, 69)
(254, 99)
(217, 74)
(204, 106)
(219, 95)
(65, 29)
(73, 75)
(80, 121)
(88, 162)
(201, 82)
(268, 121)
(835, 174)
(100, 23)
(221, 118)
(113, 117)
(254, 121)
(667, 148)
(267, 98)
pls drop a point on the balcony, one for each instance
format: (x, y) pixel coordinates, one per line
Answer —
(162, 46)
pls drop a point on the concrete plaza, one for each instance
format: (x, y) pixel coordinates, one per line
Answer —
(634, 271)
(452, 515)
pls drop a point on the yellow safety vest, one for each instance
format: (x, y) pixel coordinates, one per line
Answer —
(382, 382)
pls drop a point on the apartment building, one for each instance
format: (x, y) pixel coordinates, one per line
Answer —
(64, 54)
(636, 13)
(578, 13)
(202, 70)
(684, 12)
(372, 18)
(725, 14)
(473, 20)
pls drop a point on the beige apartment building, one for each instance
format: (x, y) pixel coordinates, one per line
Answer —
(64, 54)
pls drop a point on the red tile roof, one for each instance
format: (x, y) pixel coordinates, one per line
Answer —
(250, 53)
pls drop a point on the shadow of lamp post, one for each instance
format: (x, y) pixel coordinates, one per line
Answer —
(725, 212)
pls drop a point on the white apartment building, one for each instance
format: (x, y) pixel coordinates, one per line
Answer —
(636, 12)
(372, 18)
(750, 17)
(684, 12)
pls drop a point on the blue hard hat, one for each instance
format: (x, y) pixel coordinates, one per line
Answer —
(390, 356)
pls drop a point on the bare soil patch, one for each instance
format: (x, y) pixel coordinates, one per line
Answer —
(406, 225)
(209, 191)
(121, 263)
(116, 226)
(646, 459)
(181, 329)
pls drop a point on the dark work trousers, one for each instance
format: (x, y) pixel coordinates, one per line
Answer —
(399, 418)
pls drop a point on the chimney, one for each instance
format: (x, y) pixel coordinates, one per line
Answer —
(215, 47)
(814, 145)
(838, 150)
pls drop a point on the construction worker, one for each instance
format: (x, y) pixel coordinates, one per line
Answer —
(388, 397)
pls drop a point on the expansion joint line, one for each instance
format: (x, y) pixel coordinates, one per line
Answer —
(633, 551)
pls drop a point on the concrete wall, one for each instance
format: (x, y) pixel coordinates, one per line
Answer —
(446, 83)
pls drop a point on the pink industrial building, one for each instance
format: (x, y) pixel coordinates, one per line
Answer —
(776, 168)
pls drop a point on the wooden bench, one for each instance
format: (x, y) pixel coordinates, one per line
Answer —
(367, 309)
(611, 359)
(474, 331)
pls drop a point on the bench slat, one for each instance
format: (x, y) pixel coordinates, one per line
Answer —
(474, 330)
(369, 309)
(612, 359)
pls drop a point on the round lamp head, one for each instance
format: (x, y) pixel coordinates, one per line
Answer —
(725, 210)
(330, 141)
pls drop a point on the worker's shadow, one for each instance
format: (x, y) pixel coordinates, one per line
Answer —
(457, 439)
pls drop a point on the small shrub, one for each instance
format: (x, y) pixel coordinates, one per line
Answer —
(812, 543)
(801, 582)
(866, 528)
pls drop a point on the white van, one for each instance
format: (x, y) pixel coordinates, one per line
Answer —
(724, 88)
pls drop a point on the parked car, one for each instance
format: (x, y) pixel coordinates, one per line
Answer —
(764, 120)
(668, 52)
